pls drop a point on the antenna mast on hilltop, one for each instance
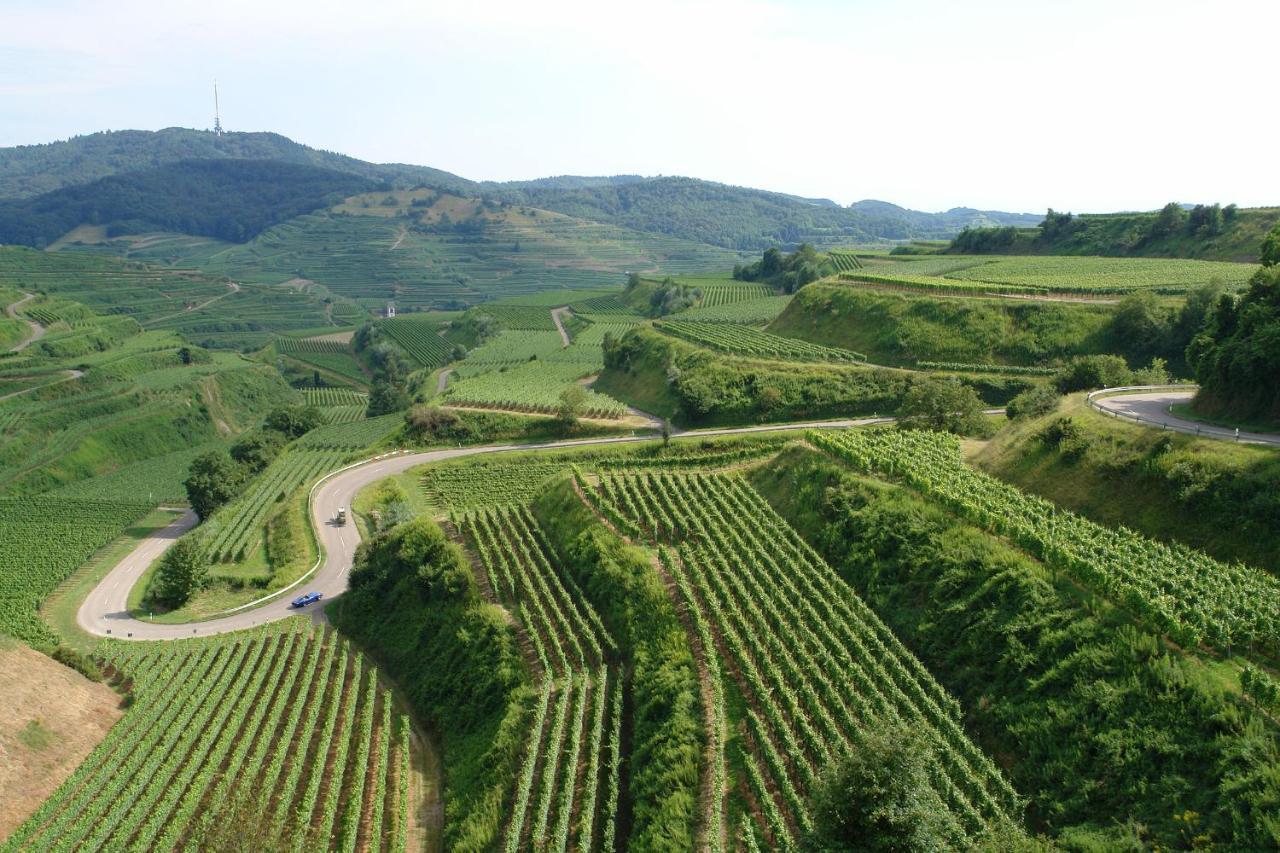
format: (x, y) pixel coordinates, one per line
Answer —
(217, 120)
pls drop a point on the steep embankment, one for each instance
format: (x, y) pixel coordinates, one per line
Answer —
(1119, 740)
(901, 329)
(1217, 496)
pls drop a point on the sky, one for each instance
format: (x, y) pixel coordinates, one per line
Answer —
(1085, 105)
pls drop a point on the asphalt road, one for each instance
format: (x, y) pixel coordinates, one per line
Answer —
(104, 611)
(1152, 407)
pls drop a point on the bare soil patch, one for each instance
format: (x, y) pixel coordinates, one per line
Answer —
(51, 719)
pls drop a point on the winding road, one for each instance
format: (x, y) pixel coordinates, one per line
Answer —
(105, 612)
(1152, 408)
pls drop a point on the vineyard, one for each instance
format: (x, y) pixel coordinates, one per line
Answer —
(327, 397)
(845, 261)
(419, 338)
(531, 318)
(509, 348)
(747, 312)
(533, 387)
(43, 541)
(1081, 276)
(715, 295)
(279, 738)
(310, 345)
(815, 667)
(234, 530)
(1009, 369)
(746, 341)
(479, 484)
(351, 436)
(567, 790)
(1175, 590)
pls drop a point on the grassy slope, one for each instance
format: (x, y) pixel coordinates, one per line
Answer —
(1213, 495)
(898, 329)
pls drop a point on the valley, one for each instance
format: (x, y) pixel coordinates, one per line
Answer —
(368, 507)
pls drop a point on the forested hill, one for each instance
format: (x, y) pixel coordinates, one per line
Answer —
(228, 199)
(1210, 232)
(31, 170)
(719, 214)
(743, 218)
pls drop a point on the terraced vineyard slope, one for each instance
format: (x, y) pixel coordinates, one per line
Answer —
(281, 739)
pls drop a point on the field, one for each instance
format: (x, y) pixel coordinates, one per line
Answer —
(744, 574)
(370, 257)
(510, 348)
(1065, 275)
(45, 540)
(1174, 590)
(235, 529)
(420, 338)
(747, 312)
(532, 387)
(568, 783)
(282, 737)
(745, 341)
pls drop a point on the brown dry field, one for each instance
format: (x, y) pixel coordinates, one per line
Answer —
(52, 717)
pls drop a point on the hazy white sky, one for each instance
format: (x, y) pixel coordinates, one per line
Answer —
(1080, 105)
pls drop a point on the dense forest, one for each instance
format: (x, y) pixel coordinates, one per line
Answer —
(228, 199)
(1237, 357)
(31, 170)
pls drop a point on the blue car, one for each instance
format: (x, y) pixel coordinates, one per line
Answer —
(304, 600)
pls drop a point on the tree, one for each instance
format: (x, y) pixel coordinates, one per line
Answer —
(256, 450)
(315, 379)
(1169, 220)
(666, 432)
(213, 480)
(184, 355)
(1141, 325)
(942, 405)
(880, 799)
(1036, 401)
(1088, 372)
(387, 397)
(573, 403)
(1270, 255)
(182, 572)
(293, 421)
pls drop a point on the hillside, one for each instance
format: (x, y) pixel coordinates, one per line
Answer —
(31, 170)
(228, 199)
(1222, 236)
(747, 219)
(730, 217)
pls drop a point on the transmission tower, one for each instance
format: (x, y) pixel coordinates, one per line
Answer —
(217, 120)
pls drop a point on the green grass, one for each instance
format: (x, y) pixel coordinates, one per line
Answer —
(1217, 496)
(901, 329)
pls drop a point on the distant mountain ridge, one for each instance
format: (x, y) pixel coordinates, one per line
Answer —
(733, 217)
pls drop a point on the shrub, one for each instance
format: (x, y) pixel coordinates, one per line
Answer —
(1040, 400)
(80, 663)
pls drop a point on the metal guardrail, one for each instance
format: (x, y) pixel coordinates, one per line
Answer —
(1201, 430)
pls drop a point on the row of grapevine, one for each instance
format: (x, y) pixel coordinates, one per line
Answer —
(817, 667)
(845, 261)
(716, 295)
(744, 340)
(1175, 589)
(1006, 369)
(351, 435)
(334, 396)
(534, 387)
(42, 541)
(219, 747)
(571, 764)
(233, 530)
(420, 339)
(312, 345)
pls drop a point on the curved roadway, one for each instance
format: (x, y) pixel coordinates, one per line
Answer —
(1152, 408)
(105, 613)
